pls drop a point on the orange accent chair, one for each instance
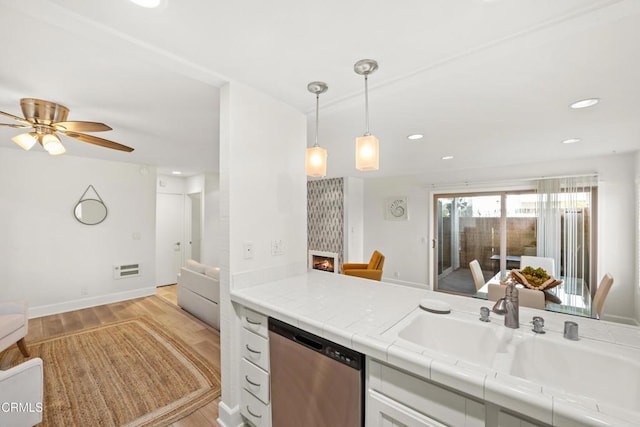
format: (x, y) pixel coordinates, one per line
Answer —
(372, 271)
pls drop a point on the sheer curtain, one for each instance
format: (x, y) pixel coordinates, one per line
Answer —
(564, 223)
(548, 209)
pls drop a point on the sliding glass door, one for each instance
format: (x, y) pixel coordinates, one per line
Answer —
(468, 228)
(497, 228)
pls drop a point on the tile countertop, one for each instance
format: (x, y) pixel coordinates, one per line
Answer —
(357, 312)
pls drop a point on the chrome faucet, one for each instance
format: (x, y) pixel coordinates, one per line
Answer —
(512, 307)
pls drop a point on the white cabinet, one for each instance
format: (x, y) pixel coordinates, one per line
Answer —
(255, 400)
(385, 412)
(397, 398)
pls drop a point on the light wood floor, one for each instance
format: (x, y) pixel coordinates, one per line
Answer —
(163, 309)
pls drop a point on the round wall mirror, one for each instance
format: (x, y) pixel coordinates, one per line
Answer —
(90, 211)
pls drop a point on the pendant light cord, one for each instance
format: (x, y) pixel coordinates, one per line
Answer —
(317, 117)
(366, 103)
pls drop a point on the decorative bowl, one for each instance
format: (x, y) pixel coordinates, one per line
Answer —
(540, 282)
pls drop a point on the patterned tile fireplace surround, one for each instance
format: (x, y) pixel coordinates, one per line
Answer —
(325, 219)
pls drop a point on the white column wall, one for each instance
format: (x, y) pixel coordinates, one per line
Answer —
(262, 198)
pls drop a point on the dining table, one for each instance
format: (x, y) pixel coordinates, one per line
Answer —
(572, 296)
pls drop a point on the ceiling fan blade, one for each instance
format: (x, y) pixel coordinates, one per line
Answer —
(76, 126)
(98, 141)
(20, 119)
(15, 126)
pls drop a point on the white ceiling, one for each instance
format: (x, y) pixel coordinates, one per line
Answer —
(488, 82)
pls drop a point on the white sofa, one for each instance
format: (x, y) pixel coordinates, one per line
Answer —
(199, 291)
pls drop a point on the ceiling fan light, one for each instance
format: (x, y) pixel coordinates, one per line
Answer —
(26, 140)
(316, 162)
(367, 153)
(52, 144)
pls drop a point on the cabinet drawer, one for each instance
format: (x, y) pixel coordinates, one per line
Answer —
(385, 412)
(255, 380)
(255, 349)
(255, 322)
(422, 396)
(254, 410)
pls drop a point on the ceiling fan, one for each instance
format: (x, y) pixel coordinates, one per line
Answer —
(46, 118)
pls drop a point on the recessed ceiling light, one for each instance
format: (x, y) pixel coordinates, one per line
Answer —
(447, 157)
(584, 103)
(150, 4)
(415, 136)
(176, 173)
(571, 140)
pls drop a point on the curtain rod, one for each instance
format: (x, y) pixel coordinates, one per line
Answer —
(514, 182)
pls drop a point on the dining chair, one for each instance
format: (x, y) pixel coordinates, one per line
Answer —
(476, 272)
(601, 294)
(526, 297)
(548, 264)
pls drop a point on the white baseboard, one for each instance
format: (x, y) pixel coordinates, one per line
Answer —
(620, 319)
(405, 283)
(63, 307)
(228, 417)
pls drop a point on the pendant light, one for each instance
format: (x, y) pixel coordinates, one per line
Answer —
(316, 156)
(367, 146)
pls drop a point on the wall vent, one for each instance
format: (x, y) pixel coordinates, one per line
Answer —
(126, 270)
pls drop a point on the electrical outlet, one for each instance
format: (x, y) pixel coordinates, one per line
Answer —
(84, 291)
(396, 274)
(247, 250)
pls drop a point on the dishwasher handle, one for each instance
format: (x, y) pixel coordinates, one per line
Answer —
(306, 341)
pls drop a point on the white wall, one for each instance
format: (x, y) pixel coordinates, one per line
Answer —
(616, 219)
(403, 243)
(637, 236)
(211, 228)
(262, 198)
(54, 261)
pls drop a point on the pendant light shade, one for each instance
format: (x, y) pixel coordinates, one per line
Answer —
(316, 156)
(316, 162)
(367, 146)
(367, 153)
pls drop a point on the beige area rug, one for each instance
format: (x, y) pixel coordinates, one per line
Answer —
(127, 373)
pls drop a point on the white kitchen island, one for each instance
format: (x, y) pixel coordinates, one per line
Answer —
(415, 383)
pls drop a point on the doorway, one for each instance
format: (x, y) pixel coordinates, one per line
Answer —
(170, 214)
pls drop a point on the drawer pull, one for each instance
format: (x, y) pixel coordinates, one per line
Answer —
(252, 414)
(246, 377)
(252, 350)
(253, 322)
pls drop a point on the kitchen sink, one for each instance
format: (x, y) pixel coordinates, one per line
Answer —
(472, 341)
(604, 371)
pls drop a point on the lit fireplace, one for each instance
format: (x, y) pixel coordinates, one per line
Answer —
(323, 261)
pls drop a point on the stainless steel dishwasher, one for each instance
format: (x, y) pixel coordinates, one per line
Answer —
(314, 382)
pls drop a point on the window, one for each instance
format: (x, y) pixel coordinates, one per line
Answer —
(497, 228)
